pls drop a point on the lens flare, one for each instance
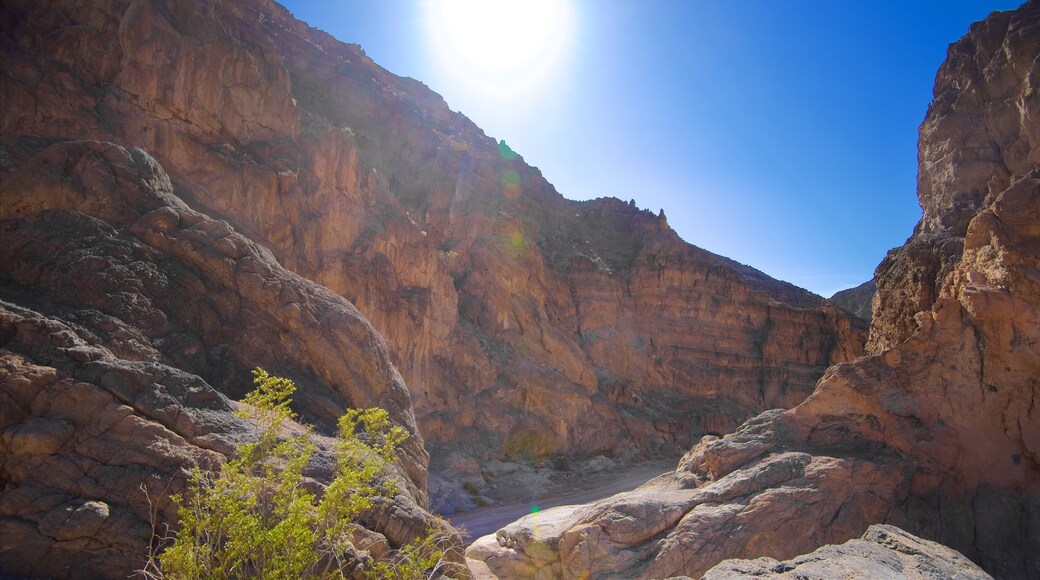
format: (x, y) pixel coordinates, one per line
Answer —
(511, 185)
(499, 45)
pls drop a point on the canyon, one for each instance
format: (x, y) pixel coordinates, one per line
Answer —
(525, 325)
(189, 190)
(936, 430)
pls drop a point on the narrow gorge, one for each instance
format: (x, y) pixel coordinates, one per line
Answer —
(190, 190)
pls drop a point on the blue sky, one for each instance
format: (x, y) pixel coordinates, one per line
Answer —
(780, 134)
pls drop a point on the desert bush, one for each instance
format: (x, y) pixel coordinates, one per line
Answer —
(258, 518)
(529, 445)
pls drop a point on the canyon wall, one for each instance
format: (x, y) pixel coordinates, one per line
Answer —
(114, 294)
(937, 432)
(857, 301)
(522, 322)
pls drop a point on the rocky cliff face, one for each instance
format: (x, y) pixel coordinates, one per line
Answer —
(522, 322)
(937, 432)
(127, 319)
(981, 133)
(857, 302)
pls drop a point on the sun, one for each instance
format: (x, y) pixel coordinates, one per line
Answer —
(499, 46)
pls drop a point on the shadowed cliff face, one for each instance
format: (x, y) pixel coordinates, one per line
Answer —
(937, 432)
(508, 310)
(857, 302)
(115, 299)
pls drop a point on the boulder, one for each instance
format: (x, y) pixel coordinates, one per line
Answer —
(883, 552)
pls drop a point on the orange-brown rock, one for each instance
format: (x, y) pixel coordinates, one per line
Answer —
(981, 133)
(126, 321)
(938, 432)
(507, 308)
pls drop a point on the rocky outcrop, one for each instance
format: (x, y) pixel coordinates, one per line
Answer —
(883, 552)
(856, 301)
(128, 324)
(982, 132)
(520, 320)
(938, 432)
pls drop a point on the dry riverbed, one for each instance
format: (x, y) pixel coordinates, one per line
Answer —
(514, 499)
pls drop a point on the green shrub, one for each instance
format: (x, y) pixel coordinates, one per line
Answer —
(257, 518)
(561, 463)
(471, 487)
(529, 445)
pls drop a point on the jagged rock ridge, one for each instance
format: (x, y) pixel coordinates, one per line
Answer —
(938, 432)
(520, 320)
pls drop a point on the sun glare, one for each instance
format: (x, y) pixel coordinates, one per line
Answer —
(499, 46)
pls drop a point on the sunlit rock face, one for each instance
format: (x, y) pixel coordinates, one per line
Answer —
(981, 134)
(116, 299)
(883, 552)
(514, 315)
(938, 432)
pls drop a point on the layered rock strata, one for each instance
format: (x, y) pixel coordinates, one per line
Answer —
(524, 324)
(127, 320)
(937, 432)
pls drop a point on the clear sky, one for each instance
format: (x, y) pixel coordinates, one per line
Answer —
(781, 134)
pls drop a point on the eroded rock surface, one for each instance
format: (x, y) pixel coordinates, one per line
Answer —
(883, 552)
(981, 134)
(525, 325)
(127, 320)
(856, 301)
(938, 432)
